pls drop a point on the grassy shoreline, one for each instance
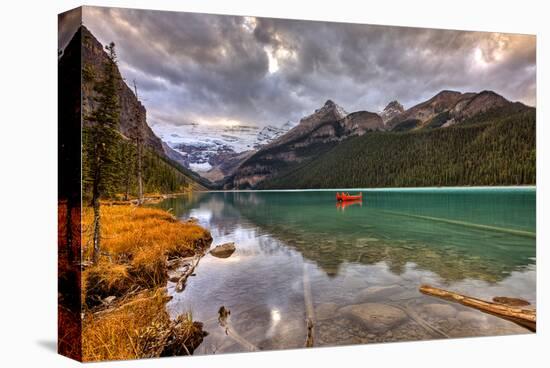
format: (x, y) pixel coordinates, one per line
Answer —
(124, 294)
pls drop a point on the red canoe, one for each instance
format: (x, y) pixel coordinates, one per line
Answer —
(344, 197)
(342, 205)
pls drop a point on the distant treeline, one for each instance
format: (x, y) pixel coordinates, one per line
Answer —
(159, 174)
(116, 164)
(494, 148)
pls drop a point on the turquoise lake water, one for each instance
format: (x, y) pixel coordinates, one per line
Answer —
(477, 241)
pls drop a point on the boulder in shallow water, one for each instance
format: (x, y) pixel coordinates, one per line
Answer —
(375, 317)
(223, 250)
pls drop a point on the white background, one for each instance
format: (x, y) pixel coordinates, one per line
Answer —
(28, 181)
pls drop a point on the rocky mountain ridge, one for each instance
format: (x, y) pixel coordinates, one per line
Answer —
(324, 128)
(93, 59)
(329, 125)
(330, 122)
(445, 109)
(391, 110)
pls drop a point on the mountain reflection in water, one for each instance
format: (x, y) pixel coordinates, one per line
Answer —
(479, 242)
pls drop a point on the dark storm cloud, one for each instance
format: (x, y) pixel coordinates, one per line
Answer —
(210, 68)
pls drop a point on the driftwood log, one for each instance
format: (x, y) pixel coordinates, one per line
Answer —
(524, 317)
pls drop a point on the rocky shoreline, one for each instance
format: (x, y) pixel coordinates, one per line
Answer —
(124, 293)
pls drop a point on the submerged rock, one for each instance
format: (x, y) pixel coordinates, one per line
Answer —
(375, 317)
(471, 317)
(223, 315)
(378, 292)
(325, 311)
(513, 302)
(353, 283)
(223, 250)
(440, 310)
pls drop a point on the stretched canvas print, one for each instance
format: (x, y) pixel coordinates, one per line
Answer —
(236, 184)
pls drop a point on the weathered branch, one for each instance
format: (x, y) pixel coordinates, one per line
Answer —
(180, 285)
(176, 262)
(524, 317)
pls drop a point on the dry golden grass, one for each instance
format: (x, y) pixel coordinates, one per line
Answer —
(139, 328)
(135, 244)
(105, 279)
(114, 335)
(126, 230)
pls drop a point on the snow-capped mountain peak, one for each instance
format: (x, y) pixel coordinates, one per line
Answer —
(201, 145)
(331, 107)
(270, 133)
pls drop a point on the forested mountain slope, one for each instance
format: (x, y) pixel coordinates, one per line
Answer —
(494, 147)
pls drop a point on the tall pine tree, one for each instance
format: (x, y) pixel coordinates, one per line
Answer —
(137, 133)
(100, 145)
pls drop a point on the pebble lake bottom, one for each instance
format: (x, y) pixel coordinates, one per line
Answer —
(355, 268)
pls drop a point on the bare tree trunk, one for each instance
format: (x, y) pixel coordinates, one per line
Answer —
(127, 189)
(97, 221)
(140, 180)
(139, 147)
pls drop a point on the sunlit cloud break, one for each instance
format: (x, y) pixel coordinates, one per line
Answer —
(216, 69)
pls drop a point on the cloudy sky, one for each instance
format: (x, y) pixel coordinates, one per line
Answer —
(243, 70)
